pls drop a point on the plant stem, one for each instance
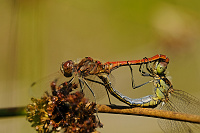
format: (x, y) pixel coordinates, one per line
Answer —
(125, 110)
(14, 111)
(148, 112)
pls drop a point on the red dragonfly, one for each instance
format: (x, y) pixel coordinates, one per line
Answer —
(88, 66)
(88, 69)
(84, 73)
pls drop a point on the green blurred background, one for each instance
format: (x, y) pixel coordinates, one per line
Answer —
(37, 35)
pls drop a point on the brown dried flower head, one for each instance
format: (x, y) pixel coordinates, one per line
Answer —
(63, 111)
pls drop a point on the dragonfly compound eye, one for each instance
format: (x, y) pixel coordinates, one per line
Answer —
(67, 68)
(161, 67)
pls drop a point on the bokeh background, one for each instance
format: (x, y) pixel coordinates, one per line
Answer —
(37, 35)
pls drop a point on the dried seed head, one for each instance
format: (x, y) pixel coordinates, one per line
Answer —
(63, 111)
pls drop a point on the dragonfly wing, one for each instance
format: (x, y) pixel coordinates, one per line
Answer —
(38, 88)
(97, 86)
(185, 102)
(180, 101)
(172, 126)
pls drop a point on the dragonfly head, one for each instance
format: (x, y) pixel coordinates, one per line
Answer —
(160, 68)
(67, 68)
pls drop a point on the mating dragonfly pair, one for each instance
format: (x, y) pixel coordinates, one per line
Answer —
(165, 96)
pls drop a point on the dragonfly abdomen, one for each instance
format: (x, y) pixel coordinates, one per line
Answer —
(147, 101)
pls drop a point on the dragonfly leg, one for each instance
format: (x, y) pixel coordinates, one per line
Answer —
(90, 90)
(93, 96)
(71, 80)
(143, 74)
(81, 84)
(108, 96)
(100, 84)
(132, 80)
(148, 67)
(142, 71)
(143, 84)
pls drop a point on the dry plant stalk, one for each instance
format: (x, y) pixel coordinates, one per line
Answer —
(149, 113)
(124, 110)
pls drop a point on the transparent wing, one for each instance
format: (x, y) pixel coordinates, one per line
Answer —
(97, 87)
(180, 101)
(38, 88)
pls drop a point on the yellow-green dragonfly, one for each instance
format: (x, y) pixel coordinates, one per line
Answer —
(165, 98)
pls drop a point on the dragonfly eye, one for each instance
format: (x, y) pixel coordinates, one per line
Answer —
(67, 68)
(161, 67)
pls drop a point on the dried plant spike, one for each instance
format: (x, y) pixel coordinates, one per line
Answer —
(63, 110)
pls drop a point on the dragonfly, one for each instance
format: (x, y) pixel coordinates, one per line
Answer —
(88, 66)
(83, 73)
(87, 73)
(165, 96)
